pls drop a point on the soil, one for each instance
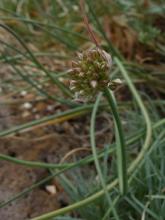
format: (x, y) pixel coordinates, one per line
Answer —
(49, 143)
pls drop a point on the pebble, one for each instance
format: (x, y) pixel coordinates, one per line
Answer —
(27, 105)
(51, 189)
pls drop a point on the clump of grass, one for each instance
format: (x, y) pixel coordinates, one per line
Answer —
(144, 140)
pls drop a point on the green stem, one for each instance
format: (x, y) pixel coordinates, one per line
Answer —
(95, 155)
(88, 159)
(121, 155)
(21, 128)
(136, 163)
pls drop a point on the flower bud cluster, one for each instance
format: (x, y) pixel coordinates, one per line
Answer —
(90, 74)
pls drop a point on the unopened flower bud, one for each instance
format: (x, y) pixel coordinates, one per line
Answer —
(93, 83)
(113, 84)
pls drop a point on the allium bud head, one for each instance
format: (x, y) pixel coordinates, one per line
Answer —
(91, 73)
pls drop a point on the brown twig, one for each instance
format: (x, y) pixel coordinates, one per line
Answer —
(86, 22)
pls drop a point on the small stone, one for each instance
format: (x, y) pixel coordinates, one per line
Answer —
(51, 189)
(34, 110)
(37, 116)
(50, 108)
(23, 93)
(27, 105)
(25, 114)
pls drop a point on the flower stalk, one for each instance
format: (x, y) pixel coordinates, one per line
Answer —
(120, 142)
(90, 76)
